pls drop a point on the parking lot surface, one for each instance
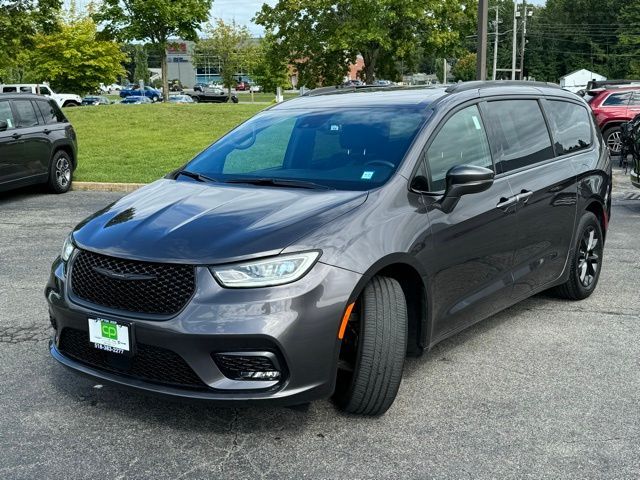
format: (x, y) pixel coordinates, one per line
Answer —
(546, 389)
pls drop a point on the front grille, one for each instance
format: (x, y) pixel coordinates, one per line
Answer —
(150, 363)
(140, 287)
(243, 367)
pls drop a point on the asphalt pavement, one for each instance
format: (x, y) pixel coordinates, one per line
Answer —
(546, 389)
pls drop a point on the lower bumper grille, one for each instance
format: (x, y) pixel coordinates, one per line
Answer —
(248, 367)
(150, 363)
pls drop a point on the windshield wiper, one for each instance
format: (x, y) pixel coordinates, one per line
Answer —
(280, 182)
(196, 176)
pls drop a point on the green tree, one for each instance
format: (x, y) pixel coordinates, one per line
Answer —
(465, 68)
(73, 58)
(20, 20)
(320, 38)
(271, 69)
(231, 44)
(141, 71)
(154, 20)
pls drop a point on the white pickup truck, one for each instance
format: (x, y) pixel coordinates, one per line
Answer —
(62, 99)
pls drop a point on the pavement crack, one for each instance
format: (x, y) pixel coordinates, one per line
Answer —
(35, 332)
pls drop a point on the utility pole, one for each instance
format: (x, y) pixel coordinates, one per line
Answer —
(525, 14)
(481, 55)
(515, 39)
(444, 67)
(495, 45)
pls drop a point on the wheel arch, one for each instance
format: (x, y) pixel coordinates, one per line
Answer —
(403, 268)
(68, 150)
(595, 206)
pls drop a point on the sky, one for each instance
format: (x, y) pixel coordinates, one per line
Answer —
(242, 11)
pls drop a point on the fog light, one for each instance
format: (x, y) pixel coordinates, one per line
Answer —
(272, 375)
(249, 366)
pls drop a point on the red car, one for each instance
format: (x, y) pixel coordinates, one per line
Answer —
(242, 86)
(612, 107)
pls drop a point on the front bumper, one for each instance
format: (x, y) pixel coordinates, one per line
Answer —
(297, 323)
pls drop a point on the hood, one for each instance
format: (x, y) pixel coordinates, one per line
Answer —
(198, 223)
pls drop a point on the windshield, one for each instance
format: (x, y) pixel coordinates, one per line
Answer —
(349, 149)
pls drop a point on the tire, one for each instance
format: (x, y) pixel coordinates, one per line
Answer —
(195, 99)
(234, 99)
(71, 104)
(586, 260)
(612, 137)
(60, 173)
(155, 98)
(373, 350)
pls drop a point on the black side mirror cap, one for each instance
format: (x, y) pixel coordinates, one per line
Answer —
(464, 180)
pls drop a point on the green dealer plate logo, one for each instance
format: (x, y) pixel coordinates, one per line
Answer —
(109, 330)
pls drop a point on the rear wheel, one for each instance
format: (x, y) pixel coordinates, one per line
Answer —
(586, 261)
(71, 104)
(373, 349)
(60, 173)
(195, 99)
(613, 138)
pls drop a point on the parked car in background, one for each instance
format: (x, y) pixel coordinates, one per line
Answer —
(255, 88)
(382, 83)
(136, 100)
(95, 100)
(612, 107)
(211, 95)
(180, 99)
(306, 252)
(62, 99)
(37, 143)
(149, 92)
(242, 86)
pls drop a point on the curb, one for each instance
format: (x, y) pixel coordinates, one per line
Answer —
(106, 187)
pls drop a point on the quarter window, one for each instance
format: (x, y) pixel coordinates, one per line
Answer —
(6, 115)
(50, 112)
(617, 99)
(519, 135)
(461, 141)
(571, 126)
(26, 114)
(45, 91)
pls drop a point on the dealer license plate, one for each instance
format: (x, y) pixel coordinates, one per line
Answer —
(110, 335)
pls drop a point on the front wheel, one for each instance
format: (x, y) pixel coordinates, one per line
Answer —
(71, 104)
(60, 173)
(586, 260)
(195, 99)
(234, 99)
(373, 349)
(155, 98)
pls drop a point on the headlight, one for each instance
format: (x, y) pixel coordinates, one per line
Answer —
(67, 249)
(265, 273)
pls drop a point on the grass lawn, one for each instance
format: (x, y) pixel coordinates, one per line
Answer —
(141, 143)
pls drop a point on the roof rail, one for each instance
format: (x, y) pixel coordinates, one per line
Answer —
(464, 86)
(339, 89)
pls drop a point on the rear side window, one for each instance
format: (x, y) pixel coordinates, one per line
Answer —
(571, 126)
(9, 89)
(461, 141)
(6, 115)
(26, 114)
(519, 135)
(617, 99)
(50, 112)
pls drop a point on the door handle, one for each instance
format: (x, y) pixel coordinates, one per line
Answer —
(524, 196)
(46, 131)
(506, 203)
(16, 135)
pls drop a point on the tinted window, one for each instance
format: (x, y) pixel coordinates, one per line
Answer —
(346, 148)
(45, 91)
(9, 89)
(617, 99)
(26, 114)
(26, 90)
(635, 99)
(6, 115)
(571, 126)
(50, 112)
(519, 135)
(461, 141)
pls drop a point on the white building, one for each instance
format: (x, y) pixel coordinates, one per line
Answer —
(576, 81)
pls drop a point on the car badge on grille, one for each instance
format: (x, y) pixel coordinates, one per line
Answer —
(122, 276)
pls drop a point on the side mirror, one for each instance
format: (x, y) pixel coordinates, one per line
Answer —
(464, 180)
(3, 125)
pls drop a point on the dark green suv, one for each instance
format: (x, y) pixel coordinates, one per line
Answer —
(37, 143)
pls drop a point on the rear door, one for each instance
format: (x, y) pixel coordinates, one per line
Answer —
(470, 265)
(35, 146)
(545, 186)
(633, 107)
(9, 145)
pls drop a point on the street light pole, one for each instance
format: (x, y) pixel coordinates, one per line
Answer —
(481, 56)
(495, 45)
(515, 39)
